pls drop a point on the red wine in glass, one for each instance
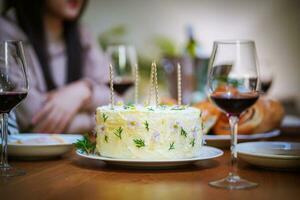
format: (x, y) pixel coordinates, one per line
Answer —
(8, 100)
(234, 105)
(265, 85)
(122, 86)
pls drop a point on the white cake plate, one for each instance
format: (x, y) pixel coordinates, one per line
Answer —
(206, 154)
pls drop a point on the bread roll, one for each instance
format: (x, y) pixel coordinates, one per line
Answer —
(273, 115)
(210, 114)
(265, 115)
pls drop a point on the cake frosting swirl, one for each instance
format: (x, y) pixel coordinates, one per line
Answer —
(148, 132)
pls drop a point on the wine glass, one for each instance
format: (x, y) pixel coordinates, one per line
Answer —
(266, 77)
(233, 86)
(13, 89)
(123, 59)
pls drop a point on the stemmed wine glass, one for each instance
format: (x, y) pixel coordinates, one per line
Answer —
(13, 89)
(123, 59)
(233, 86)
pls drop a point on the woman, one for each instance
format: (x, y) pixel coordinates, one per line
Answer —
(67, 72)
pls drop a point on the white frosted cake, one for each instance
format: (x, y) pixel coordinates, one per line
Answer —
(148, 133)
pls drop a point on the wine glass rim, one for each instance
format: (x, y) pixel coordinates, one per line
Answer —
(10, 41)
(234, 41)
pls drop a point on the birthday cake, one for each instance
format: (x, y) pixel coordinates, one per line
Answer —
(148, 132)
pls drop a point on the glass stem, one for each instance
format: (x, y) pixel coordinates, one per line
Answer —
(4, 135)
(233, 121)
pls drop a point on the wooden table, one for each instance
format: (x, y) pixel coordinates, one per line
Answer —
(74, 178)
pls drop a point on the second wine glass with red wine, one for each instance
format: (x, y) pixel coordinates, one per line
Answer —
(123, 59)
(13, 89)
(233, 86)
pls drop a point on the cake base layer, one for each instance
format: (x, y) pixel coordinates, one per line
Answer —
(148, 133)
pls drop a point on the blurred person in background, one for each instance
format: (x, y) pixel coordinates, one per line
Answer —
(67, 71)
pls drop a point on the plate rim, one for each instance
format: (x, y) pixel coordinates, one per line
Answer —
(108, 159)
(263, 155)
(269, 134)
(44, 145)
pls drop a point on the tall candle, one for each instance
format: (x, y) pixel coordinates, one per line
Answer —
(179, 94)
(156, 85)
(136, 94)
(111, 81)
(151, 83)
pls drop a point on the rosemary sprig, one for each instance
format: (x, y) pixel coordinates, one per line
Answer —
(192, 142)
(106, 138)
(146, 125)
(150, 109)
(183, 132)
(105, 117)
(129, 106)
(139, 143)
(118, 132)
(85, 145)
(172, 146)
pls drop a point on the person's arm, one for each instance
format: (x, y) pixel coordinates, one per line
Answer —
(81, 123)
(60, 107)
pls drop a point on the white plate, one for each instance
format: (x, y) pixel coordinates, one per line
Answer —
(206, 153)
(270, 154)
(290, 121)
(223, 141)
(40, 150)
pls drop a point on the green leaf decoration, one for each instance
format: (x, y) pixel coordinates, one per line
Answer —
(192, 142)
(139, 143)
(106, 138)
(85, 145)
(183, 132)
(118, 132)
(129, 106)
(105, 117)
(150, 109)
(146, 125)
(172, 146)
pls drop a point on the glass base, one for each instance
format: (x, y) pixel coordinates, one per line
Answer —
(233, 182)
(8, 171)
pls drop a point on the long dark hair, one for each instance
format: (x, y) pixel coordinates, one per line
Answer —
(29, 14)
